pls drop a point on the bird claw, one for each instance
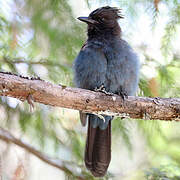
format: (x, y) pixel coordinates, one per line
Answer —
(30, 101)
(123, 94)
(103, 90)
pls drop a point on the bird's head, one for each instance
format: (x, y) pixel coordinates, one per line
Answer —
(103, 20)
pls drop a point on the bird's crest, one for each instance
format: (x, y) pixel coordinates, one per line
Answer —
(107, 11)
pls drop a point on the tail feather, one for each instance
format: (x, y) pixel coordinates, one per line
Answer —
(98, 149)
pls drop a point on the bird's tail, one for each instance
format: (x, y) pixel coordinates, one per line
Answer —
(98, 146)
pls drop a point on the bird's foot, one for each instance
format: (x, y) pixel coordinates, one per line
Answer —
(103, 90)
(99, 89)
(123, 94)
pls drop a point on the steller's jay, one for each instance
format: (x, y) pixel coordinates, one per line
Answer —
(104, 60)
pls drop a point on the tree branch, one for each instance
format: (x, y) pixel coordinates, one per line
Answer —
(7, 137)
(43, 62)
(88, 101)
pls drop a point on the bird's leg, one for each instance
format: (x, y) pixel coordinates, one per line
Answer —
(103, 90)
(122, 93)
(30, 102)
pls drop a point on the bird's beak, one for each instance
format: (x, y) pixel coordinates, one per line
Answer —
(87, 20)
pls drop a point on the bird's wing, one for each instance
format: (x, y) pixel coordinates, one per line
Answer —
(90, 67)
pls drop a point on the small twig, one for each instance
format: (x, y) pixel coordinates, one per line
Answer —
(44, 62)
(8, 137)
(30, 102)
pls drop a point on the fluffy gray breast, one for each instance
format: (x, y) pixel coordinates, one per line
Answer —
(122, 68)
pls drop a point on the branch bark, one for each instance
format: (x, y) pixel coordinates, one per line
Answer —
(88, 101)
(7, 137)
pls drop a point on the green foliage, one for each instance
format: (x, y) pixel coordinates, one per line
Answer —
(163, 173)
(120, 128)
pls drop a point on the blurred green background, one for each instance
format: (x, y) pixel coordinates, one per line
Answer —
(42, 38)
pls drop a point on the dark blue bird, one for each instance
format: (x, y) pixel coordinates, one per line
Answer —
(104, 60)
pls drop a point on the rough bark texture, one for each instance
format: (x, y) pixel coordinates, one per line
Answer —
(88, 101)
